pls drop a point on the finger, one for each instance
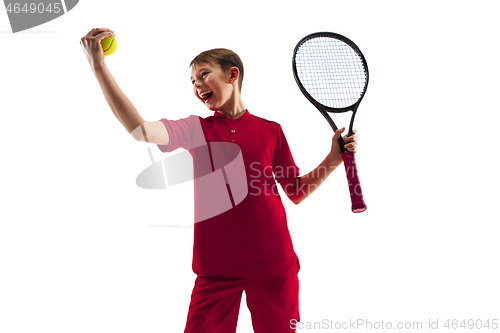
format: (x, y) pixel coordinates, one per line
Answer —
(351, 146)
(350, 138)
(93, 32)
(354, 136)
(103, 35)
(100, 30)
(338, 133)
(96, 31)
(100, 36)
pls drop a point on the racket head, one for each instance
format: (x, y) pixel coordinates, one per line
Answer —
(331, 71)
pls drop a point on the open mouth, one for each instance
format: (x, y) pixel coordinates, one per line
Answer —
(206, 95)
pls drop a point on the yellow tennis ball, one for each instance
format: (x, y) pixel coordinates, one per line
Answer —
(108, 45)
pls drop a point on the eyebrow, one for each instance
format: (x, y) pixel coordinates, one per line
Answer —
(201, 69)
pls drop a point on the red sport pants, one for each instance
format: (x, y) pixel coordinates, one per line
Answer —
(272, 301)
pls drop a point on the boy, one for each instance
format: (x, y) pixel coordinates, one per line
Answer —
(247, 247)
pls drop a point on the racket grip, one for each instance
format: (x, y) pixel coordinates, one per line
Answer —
(358, 205)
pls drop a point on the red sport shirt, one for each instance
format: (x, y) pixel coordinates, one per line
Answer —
(252, 237)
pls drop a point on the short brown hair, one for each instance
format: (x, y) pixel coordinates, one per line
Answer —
(224, 57)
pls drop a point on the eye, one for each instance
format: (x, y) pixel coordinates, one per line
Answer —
(202, 76)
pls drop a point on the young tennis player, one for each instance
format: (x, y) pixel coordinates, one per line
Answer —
(247, 246)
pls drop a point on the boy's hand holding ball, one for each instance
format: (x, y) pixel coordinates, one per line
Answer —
(97, 44)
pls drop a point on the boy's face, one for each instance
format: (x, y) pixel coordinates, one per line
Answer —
(211, 85)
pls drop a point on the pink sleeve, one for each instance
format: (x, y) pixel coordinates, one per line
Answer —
(283, 165)
(183, 133)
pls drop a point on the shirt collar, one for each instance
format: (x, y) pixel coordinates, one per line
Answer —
(220, 115)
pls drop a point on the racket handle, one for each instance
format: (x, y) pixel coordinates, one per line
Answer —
(358, 205)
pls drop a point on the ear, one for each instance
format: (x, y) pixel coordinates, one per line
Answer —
(234, 73)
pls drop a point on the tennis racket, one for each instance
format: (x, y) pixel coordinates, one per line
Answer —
(332, 73)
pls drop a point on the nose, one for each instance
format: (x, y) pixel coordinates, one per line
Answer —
(197, 83)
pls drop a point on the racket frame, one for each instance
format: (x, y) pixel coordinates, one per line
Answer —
(321, 107)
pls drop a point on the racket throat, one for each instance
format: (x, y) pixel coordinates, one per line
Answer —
(330, 121)
(334, 127)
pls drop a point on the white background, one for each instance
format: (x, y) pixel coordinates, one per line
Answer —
(83, 249)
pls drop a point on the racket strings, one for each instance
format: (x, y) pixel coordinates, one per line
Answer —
(331, 71)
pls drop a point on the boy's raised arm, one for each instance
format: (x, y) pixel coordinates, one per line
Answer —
(121, 106)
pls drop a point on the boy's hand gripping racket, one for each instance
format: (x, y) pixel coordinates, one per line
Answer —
(332, 73)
